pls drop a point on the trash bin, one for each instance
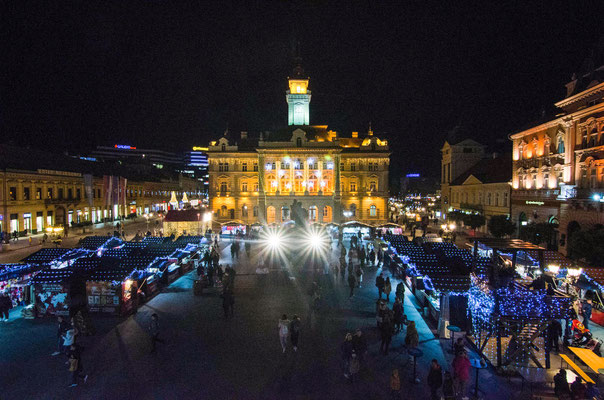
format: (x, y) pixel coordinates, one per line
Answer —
(197, 287)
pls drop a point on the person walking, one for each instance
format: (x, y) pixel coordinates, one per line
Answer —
(352, 282)
(399, 314)
(61, 329)
(75, 369)
(346, 351)
(228, 302)
(412, 337)
(448, 387)
(359, 344)
(379, 283)
(154, 331)
(283, 331)
(554, 332)
(586, 312)
(5, 305)
(294, 328)
(354, 366)
(69, 337)
(461, 370)
(435, 379)
(386, 330)
(395, 384)
(400, 291)
(371, 260)
(387, 289)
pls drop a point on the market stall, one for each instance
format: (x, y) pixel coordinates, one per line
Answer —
(232, 228)
(111, 292)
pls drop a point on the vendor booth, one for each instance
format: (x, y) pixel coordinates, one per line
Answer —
(389, 229)
(111, 292)
(354, 228)
(232, 228)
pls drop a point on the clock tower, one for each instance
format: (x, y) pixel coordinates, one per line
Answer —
(298, 98)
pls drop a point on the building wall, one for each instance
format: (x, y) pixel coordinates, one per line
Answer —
(559, 165)
(279, 173)
(35, 200)
(490, 199)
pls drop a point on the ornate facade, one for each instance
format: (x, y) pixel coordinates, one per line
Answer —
(334, 178)
(558, 165)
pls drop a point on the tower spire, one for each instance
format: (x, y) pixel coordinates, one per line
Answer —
(298, 95)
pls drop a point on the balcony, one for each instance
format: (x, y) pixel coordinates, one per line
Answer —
(547, 194)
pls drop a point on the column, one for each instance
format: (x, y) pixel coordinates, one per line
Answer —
(337, 196)
(261, 192)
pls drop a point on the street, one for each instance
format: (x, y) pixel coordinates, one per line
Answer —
(208, 356)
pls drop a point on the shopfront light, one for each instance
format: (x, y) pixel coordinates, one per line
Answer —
(575, 272)
(553, 268)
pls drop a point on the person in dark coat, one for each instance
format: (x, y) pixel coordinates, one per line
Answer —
(379, 283)
(586, 312)
(228, 301)
(62, 328)
(554, 332)
(294, 331)
(346, 350)
(561, 384)
(359, 344)
(352, 282)
(577, 389)
(386, 330)
(399, 314)
(435, 379)
(5, 305)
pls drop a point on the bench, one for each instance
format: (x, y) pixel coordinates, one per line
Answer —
(576, 368)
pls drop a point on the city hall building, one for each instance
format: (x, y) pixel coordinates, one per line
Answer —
(333, 178)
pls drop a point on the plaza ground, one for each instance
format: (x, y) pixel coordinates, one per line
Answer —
(208, 356)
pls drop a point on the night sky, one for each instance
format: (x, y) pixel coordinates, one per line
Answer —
(165, 75)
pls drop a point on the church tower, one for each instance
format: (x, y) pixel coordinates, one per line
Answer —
(298, 97)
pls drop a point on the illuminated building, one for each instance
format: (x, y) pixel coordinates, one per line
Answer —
(258, 179)
(44, 190)
(558, 164)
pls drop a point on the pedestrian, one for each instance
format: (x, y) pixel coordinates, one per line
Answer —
(210, 276)
(399, 314)
(412, 337)
(228, 302)
(219, 272)
(346, 350)
(458, 346)
(387, 289)
(586, 312)
(283, 331)
(354, 366)
(561, 387)
(359, 275)
(435, 379)
(448, 387)
(69, 337)
(362, 256)
(400, 291)
(342, 268)
(461, 371)
(371, 262)
(248, 246)
(379, 283)
(554, 332)
(395, 384)
(386, 330)
(359, 344)
(61, 329)
(380, 257)
(75, 369)
(294, 329)
(5, 305)
(352, 282)
(154, 331)
(577, 389)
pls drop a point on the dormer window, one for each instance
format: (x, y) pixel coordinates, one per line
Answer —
(299, 140)
(223, 147)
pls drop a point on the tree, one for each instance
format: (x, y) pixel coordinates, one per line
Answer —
(588, 245)
(538, 233)
(474, 221)
(456, 216)
(500, 226)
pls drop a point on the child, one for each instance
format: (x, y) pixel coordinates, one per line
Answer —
(395, 384)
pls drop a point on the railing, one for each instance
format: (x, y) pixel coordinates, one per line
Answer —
(537, 193)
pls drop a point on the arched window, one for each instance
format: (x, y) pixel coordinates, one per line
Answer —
(353, 210)
(560, 145)
(223, 211)
(312, 213)
(373, 211)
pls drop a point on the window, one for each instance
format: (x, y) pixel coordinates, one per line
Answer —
(244, 187)
(488, 199)
(372, 186)
(244, 167)
(69, 193)
(79, 193)
(224, 147)
(299, 90)
(223, 187)
(353, 166)
(255, 187)
(255, 167)
(12, 193)
(38, 193)
(505, 199)
(226, 167)
(26, 193)
(244, 211)
(299, 140)
(255, 211)
(353, 186)
(373, 211)
(49, 193)
(353, 210)
(342, 166)
(497, 199)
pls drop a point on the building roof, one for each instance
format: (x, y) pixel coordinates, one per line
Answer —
(488, 170)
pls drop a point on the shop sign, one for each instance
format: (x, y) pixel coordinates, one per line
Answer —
(534, 203)
(102, 296)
